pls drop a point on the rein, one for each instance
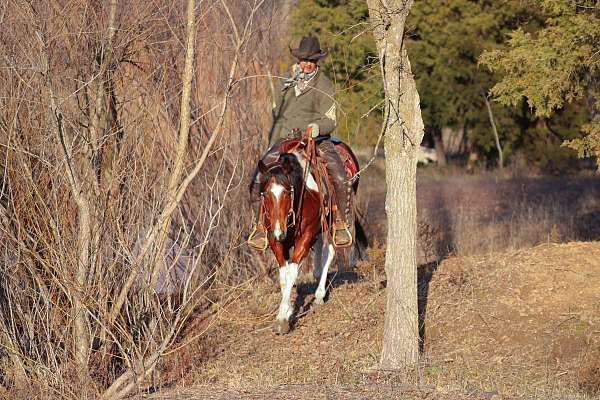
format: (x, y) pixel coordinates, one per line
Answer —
(291, 211)
(310, 149)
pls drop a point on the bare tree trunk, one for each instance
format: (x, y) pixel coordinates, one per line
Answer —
(182, 141)
(493, 123)
(593, 90)
(81, 329)
(438, 143)
(403, 135)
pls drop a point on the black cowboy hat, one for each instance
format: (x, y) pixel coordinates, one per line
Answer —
(309, 49)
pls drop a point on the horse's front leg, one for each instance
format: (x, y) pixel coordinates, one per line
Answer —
(301, 249)
(287, 276)
(327, 253)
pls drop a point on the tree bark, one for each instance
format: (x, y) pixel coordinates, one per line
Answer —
(403, 135)
(494, 130)
(182, 141)
(438, 143)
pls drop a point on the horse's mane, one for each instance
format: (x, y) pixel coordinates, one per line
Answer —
(288, 171)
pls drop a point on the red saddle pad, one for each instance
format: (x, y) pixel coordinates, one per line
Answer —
(345, 152)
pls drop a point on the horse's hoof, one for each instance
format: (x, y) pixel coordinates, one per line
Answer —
(281, 327)
(319, 301)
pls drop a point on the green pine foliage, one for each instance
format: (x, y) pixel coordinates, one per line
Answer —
(446, 40)
(554, 66)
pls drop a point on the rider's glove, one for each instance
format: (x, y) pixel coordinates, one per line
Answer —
(313, 130)
(295, 133)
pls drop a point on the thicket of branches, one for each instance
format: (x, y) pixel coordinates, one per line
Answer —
(115, 219)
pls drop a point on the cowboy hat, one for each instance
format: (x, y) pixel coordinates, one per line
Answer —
(309, 49)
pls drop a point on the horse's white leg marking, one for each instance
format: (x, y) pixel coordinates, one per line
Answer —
(289, 276)
(282, 271)
(311, 184)
(320, 293)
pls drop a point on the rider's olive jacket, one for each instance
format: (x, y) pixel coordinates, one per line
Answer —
(315, 104)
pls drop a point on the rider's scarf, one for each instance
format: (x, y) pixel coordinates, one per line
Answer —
(300, 80)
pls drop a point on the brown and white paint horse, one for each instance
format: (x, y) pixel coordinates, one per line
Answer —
(292, 213)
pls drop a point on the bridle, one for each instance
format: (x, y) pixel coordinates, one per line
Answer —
(291, 212)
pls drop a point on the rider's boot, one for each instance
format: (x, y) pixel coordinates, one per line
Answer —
(340, 231)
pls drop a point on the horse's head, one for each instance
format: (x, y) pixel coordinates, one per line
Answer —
(279, 195)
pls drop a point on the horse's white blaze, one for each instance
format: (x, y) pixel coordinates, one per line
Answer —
(320, 293)
(277, 189)
(288, 274)
(277, 231)
(311, 184)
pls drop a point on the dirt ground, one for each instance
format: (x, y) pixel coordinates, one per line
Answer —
(508, 318)
(512, 325)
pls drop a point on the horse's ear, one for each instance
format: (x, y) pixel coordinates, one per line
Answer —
(262, 167)
(286, 163)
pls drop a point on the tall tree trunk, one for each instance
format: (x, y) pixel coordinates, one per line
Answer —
(494, 130)
(438, 143)
(182, 141)
(403, 135)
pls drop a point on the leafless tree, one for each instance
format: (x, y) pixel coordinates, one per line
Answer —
(121, 181)
(403, 135)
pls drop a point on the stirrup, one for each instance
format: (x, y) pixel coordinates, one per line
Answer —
(255, 242)
(341, 242)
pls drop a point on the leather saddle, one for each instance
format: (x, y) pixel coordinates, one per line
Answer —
(347, 155)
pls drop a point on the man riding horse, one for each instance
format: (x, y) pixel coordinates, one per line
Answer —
(306, 105)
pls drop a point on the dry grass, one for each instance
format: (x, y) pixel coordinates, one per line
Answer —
(522, 322)
(518, 323)
(514, 325)
(466, 214)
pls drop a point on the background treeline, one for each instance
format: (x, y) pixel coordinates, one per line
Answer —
(536, 60)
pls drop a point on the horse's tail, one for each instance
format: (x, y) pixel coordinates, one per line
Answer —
(361, 242)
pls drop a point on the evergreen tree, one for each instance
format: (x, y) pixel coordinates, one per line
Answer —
(554, 66)
(446, 40)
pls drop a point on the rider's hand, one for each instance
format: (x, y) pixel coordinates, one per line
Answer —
(295, 133)
(312, 130)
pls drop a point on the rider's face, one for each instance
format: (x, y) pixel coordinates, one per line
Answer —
(307, 66)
